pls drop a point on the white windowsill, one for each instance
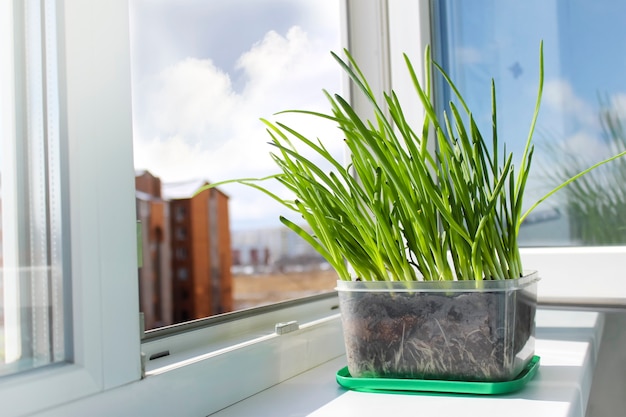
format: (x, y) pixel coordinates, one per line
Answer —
(294, 375)
(567, 343)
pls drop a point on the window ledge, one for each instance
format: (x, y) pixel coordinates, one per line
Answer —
(567, 343)
(294, 374)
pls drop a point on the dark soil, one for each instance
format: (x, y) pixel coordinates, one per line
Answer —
(469, 336)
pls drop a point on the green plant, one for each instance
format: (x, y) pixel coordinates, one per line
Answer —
(397, 210)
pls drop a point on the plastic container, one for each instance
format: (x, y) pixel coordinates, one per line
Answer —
(447, 330)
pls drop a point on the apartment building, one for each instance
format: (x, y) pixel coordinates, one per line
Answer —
(185, 272)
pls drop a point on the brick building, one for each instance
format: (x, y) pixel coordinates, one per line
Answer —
(202, 284)
(186, 251)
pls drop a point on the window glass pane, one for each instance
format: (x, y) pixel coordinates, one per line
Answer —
(32, 328)
(203, 75)
(582, 110)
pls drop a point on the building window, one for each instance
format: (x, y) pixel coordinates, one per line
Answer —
(181, 233)
(182, 274)
(181, 253)
(180, 214)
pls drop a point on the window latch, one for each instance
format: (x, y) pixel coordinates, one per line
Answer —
(286, 327)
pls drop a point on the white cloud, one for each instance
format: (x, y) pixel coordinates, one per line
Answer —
(171, 158)
(577, 140)
(288, 73)
(575, 122)
(194, 99)
(191, 123)
(587, 145)
(618, 103)
(468, 55)
(559, 96)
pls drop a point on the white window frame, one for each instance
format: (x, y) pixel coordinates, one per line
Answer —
(95, 127)
(210, 367)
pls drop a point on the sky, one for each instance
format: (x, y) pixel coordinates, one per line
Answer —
(205, 72)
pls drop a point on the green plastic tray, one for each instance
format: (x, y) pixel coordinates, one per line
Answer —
(437, 385)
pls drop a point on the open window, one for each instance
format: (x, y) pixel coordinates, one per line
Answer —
(203, 75)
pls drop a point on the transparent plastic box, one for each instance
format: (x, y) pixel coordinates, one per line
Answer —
(451, 330)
